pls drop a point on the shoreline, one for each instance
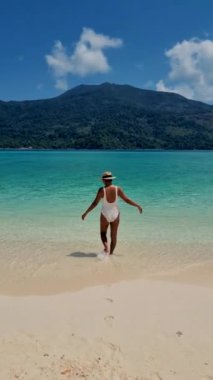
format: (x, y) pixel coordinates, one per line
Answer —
(59, 268)
(104, 150)
(52, 267)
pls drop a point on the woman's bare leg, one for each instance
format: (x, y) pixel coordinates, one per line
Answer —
(114, 230)
(104, 224)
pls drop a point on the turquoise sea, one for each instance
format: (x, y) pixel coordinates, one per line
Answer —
(44, 193)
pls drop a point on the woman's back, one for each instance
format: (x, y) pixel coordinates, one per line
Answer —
(110, 194)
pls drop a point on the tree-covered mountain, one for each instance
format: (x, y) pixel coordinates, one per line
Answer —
(107, 116)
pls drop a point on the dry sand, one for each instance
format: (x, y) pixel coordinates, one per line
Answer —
(148, 329)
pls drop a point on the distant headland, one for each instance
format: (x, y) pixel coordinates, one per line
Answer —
(107, 116)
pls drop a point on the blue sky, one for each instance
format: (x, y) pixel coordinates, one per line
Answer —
(50, 46)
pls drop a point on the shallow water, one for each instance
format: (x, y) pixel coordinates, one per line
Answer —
(44, 193)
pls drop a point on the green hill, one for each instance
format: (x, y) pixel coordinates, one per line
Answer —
(107, 116)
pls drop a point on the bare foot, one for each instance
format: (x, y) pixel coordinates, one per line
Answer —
(106, 249)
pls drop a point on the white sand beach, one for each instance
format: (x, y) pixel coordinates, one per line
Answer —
(147, 329)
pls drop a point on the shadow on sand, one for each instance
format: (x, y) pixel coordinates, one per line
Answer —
(82, 254)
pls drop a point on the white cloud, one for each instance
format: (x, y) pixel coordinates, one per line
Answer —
(182, 89)
(87, 57)
(191, 70)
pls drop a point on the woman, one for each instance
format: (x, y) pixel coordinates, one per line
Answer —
(109, 213)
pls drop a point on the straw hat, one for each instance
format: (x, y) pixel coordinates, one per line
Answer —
(107, 176)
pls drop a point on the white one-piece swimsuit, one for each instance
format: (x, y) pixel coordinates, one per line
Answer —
(110, 209)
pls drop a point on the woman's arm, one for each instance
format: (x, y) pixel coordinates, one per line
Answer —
(94, 203)
(128, 200)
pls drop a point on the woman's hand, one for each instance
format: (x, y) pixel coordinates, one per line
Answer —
(93, 204)
(140, 209)
(83, 216)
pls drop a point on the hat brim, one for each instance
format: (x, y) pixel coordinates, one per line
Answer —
(107, 178)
